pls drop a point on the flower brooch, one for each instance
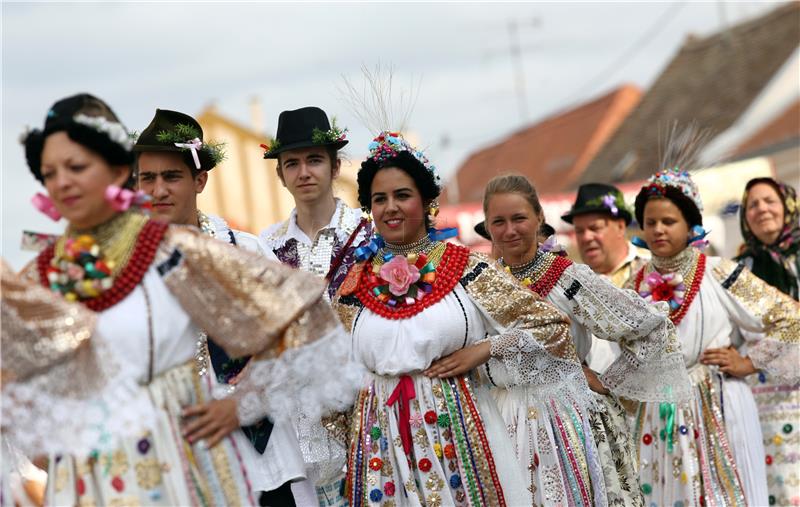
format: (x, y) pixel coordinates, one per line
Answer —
(668, 287)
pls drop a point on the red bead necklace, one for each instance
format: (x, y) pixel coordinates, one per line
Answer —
(143, 254)
(699, 271)
(545, 283)
(448, 273)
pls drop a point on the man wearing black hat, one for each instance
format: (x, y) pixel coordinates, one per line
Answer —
(306, 148)
(173, 162)
(172, 167)
(320, 236)
(600, 217)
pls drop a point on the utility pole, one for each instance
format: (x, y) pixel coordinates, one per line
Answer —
(515, 51)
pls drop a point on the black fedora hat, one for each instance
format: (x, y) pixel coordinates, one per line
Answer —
(173, 131)
(304, 128)
(599, 198)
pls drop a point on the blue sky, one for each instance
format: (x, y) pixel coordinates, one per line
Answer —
(184, 56)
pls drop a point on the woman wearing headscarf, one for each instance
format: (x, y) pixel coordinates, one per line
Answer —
(769, 219)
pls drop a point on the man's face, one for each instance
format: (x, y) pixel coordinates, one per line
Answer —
(167, 178)
(308, 173)
(601, 240)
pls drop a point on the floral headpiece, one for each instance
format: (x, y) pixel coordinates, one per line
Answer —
(676, 178)
(113, 129)
(389, 144)
(613, 201)
(187, 137)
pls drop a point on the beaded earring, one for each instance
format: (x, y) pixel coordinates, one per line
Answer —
(367, 214)
(433, 210)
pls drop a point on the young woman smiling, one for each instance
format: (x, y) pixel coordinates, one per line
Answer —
(424, 315)
(650, 363)
(153, 288)
(710, 449)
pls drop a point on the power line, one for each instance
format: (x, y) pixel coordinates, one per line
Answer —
(648, 35)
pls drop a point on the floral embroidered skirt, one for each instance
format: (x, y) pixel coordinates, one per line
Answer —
(615, 450)
(420, 441)
(159, 467)
(554, 442)
(706, 451)
(779, 412)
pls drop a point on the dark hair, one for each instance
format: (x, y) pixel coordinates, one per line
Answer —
(687, 206)
(405, 161)
(60, 118)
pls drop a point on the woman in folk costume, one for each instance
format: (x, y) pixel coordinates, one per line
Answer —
(769, 219)
(153, 288)
(650, 370)
(426, 431)
(708, 451)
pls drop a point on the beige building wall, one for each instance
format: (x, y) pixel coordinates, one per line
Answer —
(245, 189)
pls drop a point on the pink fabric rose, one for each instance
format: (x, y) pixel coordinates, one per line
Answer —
(400, 275)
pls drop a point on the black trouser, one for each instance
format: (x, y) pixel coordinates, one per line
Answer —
(280, 497)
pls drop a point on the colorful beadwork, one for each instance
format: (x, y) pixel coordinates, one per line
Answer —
(129, 276)
(430, 417)
(695, 278)
(542, 273)
(424, 464)
(376, 464)
(373, 291)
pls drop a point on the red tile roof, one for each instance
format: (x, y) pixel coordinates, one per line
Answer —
(784, 127)
(553, 152)
(711, 82)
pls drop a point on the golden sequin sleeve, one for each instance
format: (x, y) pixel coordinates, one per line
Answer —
(512, 306)
(531, 345)
(250, 305)
(775, 318)
(39, 328)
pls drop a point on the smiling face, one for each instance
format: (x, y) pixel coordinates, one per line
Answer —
(308, 173)
(76, 179)
(166, 177)
(665, 229)
(601, 240)
(397, 206)
(513, 225)
(764, 213)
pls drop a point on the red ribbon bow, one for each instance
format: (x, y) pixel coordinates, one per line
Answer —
(404, 392)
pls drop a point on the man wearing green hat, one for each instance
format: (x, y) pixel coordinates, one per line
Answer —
(601, 217)
(173, 161)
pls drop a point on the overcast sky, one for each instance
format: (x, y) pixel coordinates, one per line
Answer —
(184, 56)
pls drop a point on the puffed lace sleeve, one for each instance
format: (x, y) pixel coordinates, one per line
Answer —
(302, 364)
(650, 367)
(64, 388)
(530, 339)
(771, 317)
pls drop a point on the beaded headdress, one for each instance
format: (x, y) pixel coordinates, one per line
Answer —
(676, 178)
(387, 145)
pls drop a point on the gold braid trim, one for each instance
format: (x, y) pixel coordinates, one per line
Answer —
(512, 305)
(246, 302)
(778, 313)
(40, 328)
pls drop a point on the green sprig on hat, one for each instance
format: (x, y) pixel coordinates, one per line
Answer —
(327, 136)
(184, 132)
